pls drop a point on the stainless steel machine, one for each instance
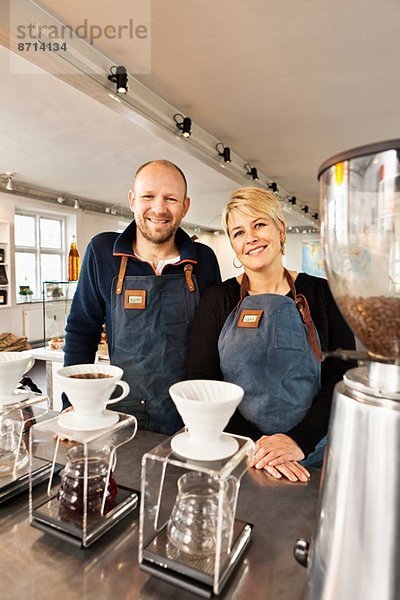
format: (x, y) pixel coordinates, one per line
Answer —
(355, 551)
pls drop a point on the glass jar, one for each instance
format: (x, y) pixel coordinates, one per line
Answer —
(13, 452)
(360, 193)
(193, 524)
(88, 474)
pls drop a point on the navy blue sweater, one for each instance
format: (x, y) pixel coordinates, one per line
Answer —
(91, 305)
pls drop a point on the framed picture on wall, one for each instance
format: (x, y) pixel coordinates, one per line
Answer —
(312, 259)
(3, 297)
(2, 255)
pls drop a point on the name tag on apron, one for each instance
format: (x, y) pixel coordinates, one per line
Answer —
(135, 299)
(250, 319)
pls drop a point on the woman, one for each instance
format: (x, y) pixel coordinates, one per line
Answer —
(264, 331)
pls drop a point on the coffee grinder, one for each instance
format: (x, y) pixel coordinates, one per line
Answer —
(355, 551)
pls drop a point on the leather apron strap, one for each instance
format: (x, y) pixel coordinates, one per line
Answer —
(302, 307)
(304, 310)
(121, 274)
(188, 270)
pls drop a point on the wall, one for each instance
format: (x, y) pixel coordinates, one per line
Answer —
(294, 242)
(222, 248)
(93, 223)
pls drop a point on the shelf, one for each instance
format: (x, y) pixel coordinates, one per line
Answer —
(5, 249)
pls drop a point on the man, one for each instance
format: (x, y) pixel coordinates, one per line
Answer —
(145, 284)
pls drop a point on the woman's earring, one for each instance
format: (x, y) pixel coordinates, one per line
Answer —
(283, 247)
(235, 265)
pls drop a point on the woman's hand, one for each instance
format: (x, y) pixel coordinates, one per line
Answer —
(278, 455)
(274, 450)
(292, 470)
(273, 477)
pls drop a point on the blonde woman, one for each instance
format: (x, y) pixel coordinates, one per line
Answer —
(264, 330)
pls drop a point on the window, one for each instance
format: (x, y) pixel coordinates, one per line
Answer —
(40, 253)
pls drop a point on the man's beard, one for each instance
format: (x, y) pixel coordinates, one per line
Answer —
(154, 236)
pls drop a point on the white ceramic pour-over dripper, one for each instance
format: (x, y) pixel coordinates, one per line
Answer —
(205, 407)
(13, 365)
(90, 396)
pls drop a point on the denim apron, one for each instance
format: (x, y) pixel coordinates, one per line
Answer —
(265, 347)
(151, 317)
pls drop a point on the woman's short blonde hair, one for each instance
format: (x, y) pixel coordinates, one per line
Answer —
(255, 202)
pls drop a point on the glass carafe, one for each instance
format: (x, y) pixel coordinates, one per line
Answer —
(13, 452)
(88, 479)
(361, 235)
(201, 501)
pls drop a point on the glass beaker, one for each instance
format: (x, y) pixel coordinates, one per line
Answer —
(199, 507)
(13, 452)
(88, 475)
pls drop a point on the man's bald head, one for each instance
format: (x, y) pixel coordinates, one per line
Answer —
(163, 163)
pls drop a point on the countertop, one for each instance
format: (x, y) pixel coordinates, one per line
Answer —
(45, 353)
(35, 565)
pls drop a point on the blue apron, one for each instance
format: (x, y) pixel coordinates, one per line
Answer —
(264, 347)
(151, 317)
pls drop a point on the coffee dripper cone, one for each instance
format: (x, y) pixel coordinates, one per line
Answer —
(206, 406)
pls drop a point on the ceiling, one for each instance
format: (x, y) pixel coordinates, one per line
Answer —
(57, 138)
(284, 83)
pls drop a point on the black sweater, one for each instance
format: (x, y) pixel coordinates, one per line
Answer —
(203, 363)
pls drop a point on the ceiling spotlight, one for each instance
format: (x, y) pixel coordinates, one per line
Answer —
(9, 185)
(60, 200)
(223, 151)
(184, 124)
(251, 171)
(120, 77)
(315, 216)
(305, 209)
(292, 200)
(273, 186)
(76, 204)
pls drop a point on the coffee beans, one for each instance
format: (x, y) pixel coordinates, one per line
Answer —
(375, 321)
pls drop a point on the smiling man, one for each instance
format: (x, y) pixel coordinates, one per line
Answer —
(145, 284)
